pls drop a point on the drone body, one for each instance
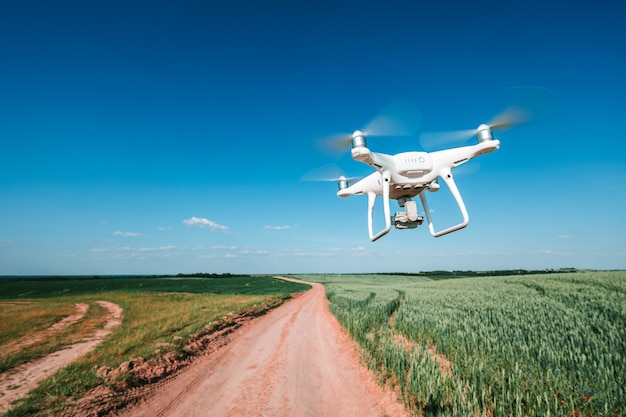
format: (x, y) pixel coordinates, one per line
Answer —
(406, 175)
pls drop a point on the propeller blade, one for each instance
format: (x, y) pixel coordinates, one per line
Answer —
(525, 105)
(509, 118)
(335, 144)
(330, 172)
(399, 118)
(434, 140)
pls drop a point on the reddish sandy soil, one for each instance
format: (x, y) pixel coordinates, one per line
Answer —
(294, 361)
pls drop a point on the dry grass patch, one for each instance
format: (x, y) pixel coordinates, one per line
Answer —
(32, 339)
(37, 315)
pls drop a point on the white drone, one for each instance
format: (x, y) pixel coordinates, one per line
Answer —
(405, 175)
(408, 174)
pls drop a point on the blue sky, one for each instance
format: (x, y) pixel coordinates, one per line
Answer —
(170, 136)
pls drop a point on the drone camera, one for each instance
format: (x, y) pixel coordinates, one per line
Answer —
(483, 134)
(408, 219)
(401, 221)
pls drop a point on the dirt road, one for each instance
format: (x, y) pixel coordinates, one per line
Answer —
(294, 361)
(16, 383)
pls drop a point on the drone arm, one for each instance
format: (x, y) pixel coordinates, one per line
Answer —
(449, 179)
(378, 161)
(448, 159)
(371, 201)
(456, 156)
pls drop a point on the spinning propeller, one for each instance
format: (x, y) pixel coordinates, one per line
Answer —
(524, 105)
(330, 172)
(400, 118)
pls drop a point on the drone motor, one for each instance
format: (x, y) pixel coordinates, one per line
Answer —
(342, 183)
(358, 140)
(484, 133)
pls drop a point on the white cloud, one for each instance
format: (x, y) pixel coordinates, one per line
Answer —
(292, 252)
(164, 229)
(205, 223)
(550, 252)
(232, 252)
(127, 234)
(359, 251)
(254, 252)
(565, 237)
(484, 253)
(142, 249)
(141, 253)
(285, 227)
(159, 249)
(227, 255)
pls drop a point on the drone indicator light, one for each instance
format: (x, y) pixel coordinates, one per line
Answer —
(413, 164)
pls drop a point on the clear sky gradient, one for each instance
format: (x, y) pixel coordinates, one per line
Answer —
(149, 137)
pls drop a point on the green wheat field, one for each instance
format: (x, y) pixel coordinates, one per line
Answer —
(531, 345)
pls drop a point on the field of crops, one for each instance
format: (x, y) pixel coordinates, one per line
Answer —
(535, 345)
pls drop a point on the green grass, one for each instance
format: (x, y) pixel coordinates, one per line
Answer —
(534, 345)
(18, 289)
(159, 315)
